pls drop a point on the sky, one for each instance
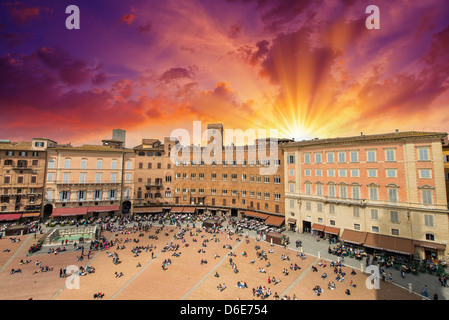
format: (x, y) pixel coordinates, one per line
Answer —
(306, 68)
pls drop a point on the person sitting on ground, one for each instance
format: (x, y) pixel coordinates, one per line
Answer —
(324, 276)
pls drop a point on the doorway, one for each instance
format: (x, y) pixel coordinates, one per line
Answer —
(306, 226)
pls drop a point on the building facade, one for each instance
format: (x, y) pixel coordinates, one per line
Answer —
(386, 187)
(89, 180)
(153, 173)
(22, 175)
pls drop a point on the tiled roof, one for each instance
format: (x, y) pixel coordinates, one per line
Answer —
(16, 146)
(365, 138)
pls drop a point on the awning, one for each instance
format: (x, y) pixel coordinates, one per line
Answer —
(291, 220)
(103, 208)
(251, 214)
(262, 216)
(274, 221)
(10, 216)
(389, 243)
(189, 210)
(354, 237)
(31, 214)
(318, 227)
(430, 245)
(147, 210)
(177, 209)
(66, 212)
(332, 230)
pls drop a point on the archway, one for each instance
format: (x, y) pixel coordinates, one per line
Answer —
(48, 210)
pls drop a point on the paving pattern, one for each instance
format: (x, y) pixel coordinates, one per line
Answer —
(186, 278)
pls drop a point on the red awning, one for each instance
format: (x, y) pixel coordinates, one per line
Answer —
(67, 212)
(31, 214)
(189, 210)
(103, 208)
(10, 216)
(275, 221)
(318, 227)
(147, 210)
(332, 230)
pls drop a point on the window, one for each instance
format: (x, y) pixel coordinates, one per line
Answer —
(291, 172)
(266, 196)
(51, 164)
(308, 206)
(395, 232)
(81, 195)
(371, 155)
(430, 237)
(355, 173)
(265, 179)
(307, 158)
(317, 157)
(307, 173)
(290, 159)
(277, 180)
(318, 173)
(291, 187)
(356, 212)
(427, 196)
(356, 193)
(49, 195)
(428, 220)
(374, 214)
(343, 192)
(341, 157)
(50, 177)
(423, 154)
(99, 164)
(98, 178)
(319, 207)
(394, 216)
(330, 157)
(97, 195)
(319, 189)
(67, 164)
(373, 193)
(65, 196)
(425, 173)
(342, 172)
(354, 156)
(393, 194)
(82, 177)
(331, 209)
(372, 173)
(390, 155)
(128, 177)
(375, 229)
(391, 173)
(66, 177)
(129, 165)
(83, 163)
(292, 204)
(331, 190)
(114, 164)
(356, 226)
(308, 189)
(113, 177)
(331, 173)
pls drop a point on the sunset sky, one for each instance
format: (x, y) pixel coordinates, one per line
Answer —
(306, 68)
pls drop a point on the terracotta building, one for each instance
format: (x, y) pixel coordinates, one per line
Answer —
(234, 184)
(22, 174)
(385, 191)
(153, 174)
